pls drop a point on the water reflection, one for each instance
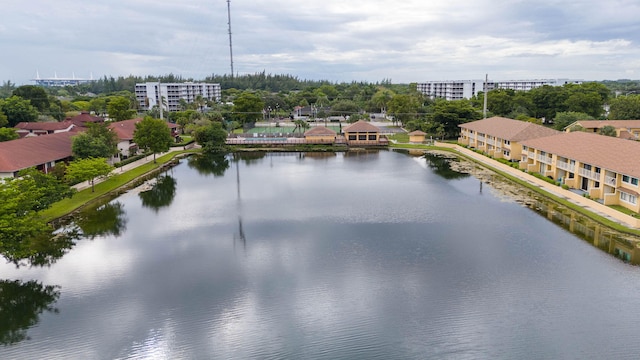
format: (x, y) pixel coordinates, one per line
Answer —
(44, 249)
(102, 219)
(249, 158)
(161, 194)
(362, 155)
(441, 165)
(620, 245)
(21, 303)
(209, 164)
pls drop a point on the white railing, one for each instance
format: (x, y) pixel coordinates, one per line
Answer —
(532, 155)
(589, 174)
(566, 166)
(491, 142)
(545, 159)
(610, 180)
(480, 138)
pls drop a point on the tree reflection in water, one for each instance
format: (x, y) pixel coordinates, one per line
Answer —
(20, 306)
(102, 220)
(441, 165)
(161, 194)
(209, 164)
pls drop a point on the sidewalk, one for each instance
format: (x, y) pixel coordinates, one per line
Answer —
(119, 170)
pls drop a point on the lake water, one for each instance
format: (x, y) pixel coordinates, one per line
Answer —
(366, 255)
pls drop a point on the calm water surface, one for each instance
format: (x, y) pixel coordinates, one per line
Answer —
(347, 256)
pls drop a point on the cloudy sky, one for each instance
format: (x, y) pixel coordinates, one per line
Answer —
(362, 40)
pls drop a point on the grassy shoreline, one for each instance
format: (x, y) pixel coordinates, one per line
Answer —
(575, 207)
(67, 206)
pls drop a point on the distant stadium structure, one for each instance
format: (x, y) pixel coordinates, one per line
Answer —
(56, 81)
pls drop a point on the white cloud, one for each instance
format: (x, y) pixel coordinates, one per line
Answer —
(340, 41)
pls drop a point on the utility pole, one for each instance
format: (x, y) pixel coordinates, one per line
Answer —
(160, 99)
(230, 43)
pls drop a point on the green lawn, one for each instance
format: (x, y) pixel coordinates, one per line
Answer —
(66, 206)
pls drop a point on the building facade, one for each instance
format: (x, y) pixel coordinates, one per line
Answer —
(501, 137)
(603, 167)
(466, 89)
(148, 95)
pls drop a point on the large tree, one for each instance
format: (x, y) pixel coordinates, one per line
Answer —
(566, 118)
(119, 108)
(247, 107)
(18, 110)
(450, 114)
(403, 107)
(153, 135)
(212, 137)
(36, 95)
(88, 170)
(20, 201)
(625, 108)
(7, 134)
(98, 142)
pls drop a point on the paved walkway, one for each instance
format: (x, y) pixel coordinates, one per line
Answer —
(577, 199)
(86, 184)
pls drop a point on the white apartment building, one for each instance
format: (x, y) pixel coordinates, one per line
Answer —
(466, 89)
(148, 94)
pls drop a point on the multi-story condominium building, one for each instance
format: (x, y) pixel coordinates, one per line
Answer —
(148, 94)
(606, 168)
(466, 89)
(625, 129)
(501, 137)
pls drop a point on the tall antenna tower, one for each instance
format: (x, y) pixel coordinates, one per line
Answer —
(230, 43)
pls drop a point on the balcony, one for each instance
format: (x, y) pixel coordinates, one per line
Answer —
(545, 159)
(566, 166)
(531, 155)
(610, 180)
(589, 174)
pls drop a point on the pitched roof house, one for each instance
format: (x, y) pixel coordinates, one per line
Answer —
(320, 135)
(363, 133)
(501, 137)
(42, 152)
(25, 129)
(125, 129)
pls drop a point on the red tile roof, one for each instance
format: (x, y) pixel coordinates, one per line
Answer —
(319, 131)
(33, 151)
(124, 129)
(45, 126)
(84, 117)
(361, 126)
(606, 152)
(509, 129)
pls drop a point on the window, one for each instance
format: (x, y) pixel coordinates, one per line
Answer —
(352, 137)
(372, 137)
(362, 136)
(630, 180)
(629, 198)
(507, 142)
(571, 175)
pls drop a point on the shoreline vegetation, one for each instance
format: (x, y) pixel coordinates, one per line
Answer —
(117, 182)
(112, 184)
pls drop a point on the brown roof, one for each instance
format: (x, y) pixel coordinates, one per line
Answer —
(361, 126)
(599, 124)
(509, 129)
(45, 126)
(319, 131)
(417, 132)
(607, 152)
(33, 151)
(84, 117)
(124, 129)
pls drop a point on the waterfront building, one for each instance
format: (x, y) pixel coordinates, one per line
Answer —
(625, 129)
(501, 137)
(605, 168)
(41, 152)
(56, 81)
(417, 136)
(363, 133)
(125, 130)
(466, 89)
(320, 135)
(148, 94)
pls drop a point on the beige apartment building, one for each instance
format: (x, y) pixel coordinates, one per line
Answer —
(605, 168)
(501, 137)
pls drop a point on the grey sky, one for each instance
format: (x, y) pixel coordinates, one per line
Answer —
(405, 41)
